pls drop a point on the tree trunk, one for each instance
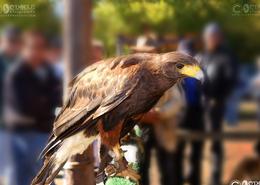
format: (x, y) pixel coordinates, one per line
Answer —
(77, 47)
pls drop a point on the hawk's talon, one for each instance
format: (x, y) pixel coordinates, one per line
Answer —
(111, 170)
(121, 169)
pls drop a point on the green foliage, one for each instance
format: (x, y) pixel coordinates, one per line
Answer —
(119, 181)
(135, 166)
(43, 19)
(134, 17)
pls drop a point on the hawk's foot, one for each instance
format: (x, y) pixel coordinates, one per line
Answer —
(116, 167)
(121, 169)
(131, 174)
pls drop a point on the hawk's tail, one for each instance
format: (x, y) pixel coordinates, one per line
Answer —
(49, 171)
(56, 157)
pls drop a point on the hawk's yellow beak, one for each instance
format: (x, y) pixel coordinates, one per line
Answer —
(193, 71)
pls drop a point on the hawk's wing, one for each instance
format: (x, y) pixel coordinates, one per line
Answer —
(98, 90)
(95, 91)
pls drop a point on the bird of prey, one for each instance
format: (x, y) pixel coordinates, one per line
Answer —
(106, 100)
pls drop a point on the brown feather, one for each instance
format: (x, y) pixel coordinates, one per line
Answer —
(88, 91)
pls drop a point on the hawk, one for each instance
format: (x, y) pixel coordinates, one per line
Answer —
(106, 100)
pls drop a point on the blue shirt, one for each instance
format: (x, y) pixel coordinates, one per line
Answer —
(192, 90)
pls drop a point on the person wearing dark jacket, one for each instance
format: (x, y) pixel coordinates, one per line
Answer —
(192, 120)
(32, 92)
(9, 50)
(220, 67)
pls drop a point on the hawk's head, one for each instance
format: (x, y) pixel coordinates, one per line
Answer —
(177, 65)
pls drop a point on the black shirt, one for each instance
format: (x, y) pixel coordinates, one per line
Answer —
(31, 97)
(221, 70)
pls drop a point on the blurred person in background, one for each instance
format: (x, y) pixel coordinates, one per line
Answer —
(54, 56)
(159, 137)
(170, 111)
(220, 68)
(145, 44)
(255, 89)
(9, 49)
(192, 120)
(162, 137)
(98, 51)
(32, 92)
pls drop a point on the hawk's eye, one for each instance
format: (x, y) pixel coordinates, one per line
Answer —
(179, 66)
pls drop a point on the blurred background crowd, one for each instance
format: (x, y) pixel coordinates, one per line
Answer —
(209, 131)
